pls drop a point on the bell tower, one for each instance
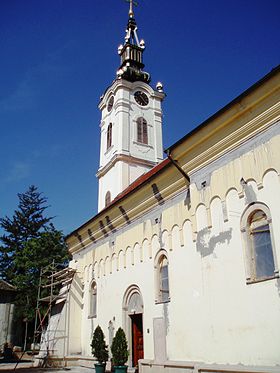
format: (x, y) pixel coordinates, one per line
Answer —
(131, 121)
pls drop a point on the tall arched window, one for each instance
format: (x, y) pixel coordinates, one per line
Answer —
(107, 199)
(142, 131)
(162, 278)
(109, 136)
(93, 300)
(256, 226)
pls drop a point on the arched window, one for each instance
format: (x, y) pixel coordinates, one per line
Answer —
(109, 136)
(93, 300)
(256, 226)
(107, 199)
(142, 131)
(162, 278)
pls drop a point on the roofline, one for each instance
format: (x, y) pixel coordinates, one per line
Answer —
(140, 181)
(273, 72)
(10, 286)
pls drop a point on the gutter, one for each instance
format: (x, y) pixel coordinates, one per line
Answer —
(176, 164)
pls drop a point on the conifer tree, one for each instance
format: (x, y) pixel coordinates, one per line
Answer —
(29, 242)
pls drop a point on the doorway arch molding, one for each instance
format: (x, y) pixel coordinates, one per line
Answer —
(132, 305)
(133, 294)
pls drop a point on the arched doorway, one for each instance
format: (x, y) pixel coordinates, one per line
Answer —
(133, 321)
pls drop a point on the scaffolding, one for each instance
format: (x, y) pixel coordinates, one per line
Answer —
(54, 285)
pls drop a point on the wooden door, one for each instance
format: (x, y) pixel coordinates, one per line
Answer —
(137, 338)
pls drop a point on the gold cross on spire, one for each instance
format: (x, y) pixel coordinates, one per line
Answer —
(131, 3)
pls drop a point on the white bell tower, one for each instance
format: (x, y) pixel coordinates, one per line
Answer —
(131, 123)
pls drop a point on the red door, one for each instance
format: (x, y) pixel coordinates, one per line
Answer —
(137, 338)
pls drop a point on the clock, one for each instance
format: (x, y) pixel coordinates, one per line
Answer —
(110, 104)
(141, 98)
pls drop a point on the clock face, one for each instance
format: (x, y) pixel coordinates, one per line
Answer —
(110, 103)
(141, 98)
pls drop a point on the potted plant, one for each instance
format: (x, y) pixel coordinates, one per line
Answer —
(119, 351)
(99, 350)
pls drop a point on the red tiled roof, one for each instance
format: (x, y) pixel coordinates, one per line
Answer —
(138, 182)
(141, 180)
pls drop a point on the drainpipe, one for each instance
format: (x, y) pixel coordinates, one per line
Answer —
(176, 164)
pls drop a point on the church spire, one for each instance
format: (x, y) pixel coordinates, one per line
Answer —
(131, 52)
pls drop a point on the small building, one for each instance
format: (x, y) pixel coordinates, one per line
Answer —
(7, 298)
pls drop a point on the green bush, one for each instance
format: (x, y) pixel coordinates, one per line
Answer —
(98, 345)
(119, 348)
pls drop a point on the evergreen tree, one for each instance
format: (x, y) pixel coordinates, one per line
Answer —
(29, 243)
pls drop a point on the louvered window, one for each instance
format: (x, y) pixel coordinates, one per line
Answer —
(142, 131)
(109, 136)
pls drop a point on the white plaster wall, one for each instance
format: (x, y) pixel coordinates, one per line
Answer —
(213, 314)
(117, 174)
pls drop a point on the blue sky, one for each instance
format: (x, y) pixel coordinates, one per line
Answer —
(58, 56)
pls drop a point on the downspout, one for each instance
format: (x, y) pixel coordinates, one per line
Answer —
(176, 164)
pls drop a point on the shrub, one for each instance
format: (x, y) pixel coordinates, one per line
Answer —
(98, 345)
(119, 348)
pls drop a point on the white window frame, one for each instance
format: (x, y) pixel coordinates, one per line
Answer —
(142, 127)
(93, 300)
(158, 294)
(249, 250)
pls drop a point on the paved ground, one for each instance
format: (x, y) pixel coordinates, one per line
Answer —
(27, 367)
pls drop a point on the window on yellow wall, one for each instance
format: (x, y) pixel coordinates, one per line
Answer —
(261, 244)
(93, 300)
(163, 280)
(256, 226)
(162, 277)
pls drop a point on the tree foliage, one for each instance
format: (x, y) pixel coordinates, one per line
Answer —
(30, 242)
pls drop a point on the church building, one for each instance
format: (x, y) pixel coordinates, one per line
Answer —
(184, 252)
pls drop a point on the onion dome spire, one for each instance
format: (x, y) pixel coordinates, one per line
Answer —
(131, 52)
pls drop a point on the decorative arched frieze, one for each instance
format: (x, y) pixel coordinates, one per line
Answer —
(114, 261)
(95, 270)
(201, 217)
(166, 241)
(188, 233)
(138, 256)
(250, 190)
(101, 268)
(129, 256)
(155, 244)
(121, 263)
(107, 269)
(90, 272)
(85, 276)
(146, 250)
(217, 217)
(175, 237)
(270, 170)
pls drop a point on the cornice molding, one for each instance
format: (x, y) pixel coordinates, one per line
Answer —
(251, 129)
(124, 158)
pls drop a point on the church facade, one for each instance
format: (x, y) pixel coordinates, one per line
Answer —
(184, 252)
